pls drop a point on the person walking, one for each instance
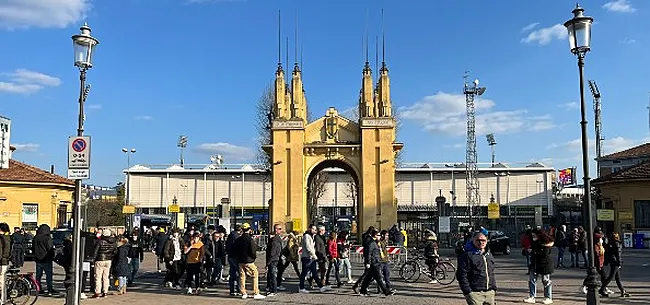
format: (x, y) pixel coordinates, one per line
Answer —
(136, 256)
(246, 248)
(582, 247)
(542, 264)
(273, 253)
(526, 250)
(343, 245)
(431, 256)
(18, 244)
(291, 257)
(43, 250)
(195, 252)
(172, 255)
(475, 273)
(320, 242)
(365, 244)
(233, 263)
(103, 255)
(613, 255)
(121, 264)
(561, 242)
(5, 258)
(333, 259)
(384, 259)
(372, 262)
(309, 260)
(573, 238)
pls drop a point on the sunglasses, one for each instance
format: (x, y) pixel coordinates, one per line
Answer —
(482, 240)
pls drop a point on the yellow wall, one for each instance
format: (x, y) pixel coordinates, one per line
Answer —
(48, 199)
(623, 196)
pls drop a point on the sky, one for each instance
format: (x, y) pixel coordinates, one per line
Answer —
(197, 67)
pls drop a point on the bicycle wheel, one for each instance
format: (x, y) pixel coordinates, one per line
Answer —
(410, 272)
(19, 291)
(33, 288)
(445, 273)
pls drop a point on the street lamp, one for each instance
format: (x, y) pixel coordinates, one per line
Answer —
(84, 45)
(491, 142)
(128, 218)
(579, 28)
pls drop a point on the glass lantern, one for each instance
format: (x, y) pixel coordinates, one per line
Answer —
(579, 30)
(84, 45)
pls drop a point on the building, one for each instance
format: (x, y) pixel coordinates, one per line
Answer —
(30, 197)
(624, 191)
(523, 191)
(5, 135)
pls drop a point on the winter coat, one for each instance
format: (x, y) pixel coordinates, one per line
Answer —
(160, 240)
(230, 241)
(613, 253)
(245, 249)
(169, 250)
(5, 249)
(105, 249)
(371, 252)
(274, 250)
(542, 260)
(196, 253)
(561, 239)
(308, 246)
(573, 238)
(18, 240)
(42, 245)
(476, 271)
(332, 249)
(383, 252)
(121, 261)
(291, 252)
(343, 246)
(136, 251)
(582, 241)
(319, 245)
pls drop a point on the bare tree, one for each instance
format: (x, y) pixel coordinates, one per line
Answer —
(316, 190)
(351, 191)
(263, 118)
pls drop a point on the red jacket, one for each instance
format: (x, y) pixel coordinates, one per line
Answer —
(525, 241)
(332, 248)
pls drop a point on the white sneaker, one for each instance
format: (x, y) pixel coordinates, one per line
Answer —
(433, 282)
(325, 288)
(547, 301)
(609, 291)
(189, 290)
(244, 296)
(259, 297)
(83, 296)
(303, 291)
(169, 285)
(584, 289)
(529, 300)
(281, 288)
(351, 281)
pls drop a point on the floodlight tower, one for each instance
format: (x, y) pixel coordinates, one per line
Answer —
(182, 144)
(597, 119)
(492, 142)
(471, 168)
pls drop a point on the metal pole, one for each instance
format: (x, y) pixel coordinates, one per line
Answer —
(242, 195)
(76, 233)
(591, 281)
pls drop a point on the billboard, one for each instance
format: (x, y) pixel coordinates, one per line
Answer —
(567, 176)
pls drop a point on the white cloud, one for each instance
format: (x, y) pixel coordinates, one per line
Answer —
(28, 147)
(41, 13)
(24, 81)
(628, 41)
(455, 146)
(619, 6)
(570, 106)
(94, 106)
(227, 150)
(529, 27)
(144, 118)
(612, 145)
(445, 113)
(544, 36)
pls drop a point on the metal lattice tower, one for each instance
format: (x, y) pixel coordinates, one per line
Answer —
(471, 158)
(597, 119)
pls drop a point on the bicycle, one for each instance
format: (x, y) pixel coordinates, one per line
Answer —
(22, 289)
(411, 270)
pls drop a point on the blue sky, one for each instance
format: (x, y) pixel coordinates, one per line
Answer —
(197, 67)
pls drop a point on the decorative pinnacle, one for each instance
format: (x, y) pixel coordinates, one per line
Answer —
(578, 11)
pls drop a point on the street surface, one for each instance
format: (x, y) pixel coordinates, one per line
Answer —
(511, 279)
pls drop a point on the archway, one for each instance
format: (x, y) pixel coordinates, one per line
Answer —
(337, 181)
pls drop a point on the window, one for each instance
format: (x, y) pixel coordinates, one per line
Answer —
(30, 216)
(642, 214)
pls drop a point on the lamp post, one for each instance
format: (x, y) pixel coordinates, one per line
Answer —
(579, 30)
(84, 45)
(129, 218)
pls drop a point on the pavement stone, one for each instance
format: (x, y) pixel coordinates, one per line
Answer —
(511, 280)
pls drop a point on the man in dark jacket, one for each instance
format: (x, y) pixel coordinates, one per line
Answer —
(561, 242)
(233, 279)
(136, 256)
(44, 256)
(160, 240)
(5, 258)
(320, 240)
(18, 244)
(273, 252)
(246, 249)
(372, 262)
(105, 249)
(476, 272)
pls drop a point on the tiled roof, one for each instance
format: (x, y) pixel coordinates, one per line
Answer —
(642, 150)
(634, 173)
(22, 172)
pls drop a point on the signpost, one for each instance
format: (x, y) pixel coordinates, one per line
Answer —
(79, 158)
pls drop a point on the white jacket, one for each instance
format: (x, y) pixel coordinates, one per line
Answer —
(308, 247)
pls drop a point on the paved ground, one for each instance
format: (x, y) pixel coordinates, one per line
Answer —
(511, 280)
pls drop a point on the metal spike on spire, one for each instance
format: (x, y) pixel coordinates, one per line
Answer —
(279, 41)
(366, 37)
(383, 41)
(295, 46)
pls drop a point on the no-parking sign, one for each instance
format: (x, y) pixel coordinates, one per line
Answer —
(79, 153)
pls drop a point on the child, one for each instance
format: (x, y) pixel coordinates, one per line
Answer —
(121, 259)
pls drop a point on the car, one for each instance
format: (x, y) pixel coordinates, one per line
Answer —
(499, 242)
(59, 235)
(29, 249)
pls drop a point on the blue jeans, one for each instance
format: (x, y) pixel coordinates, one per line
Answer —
(272, 277)
(546, 280)
(385, 272)
(336, 264)
(233, 277)
(216, 271)
(47, 268)
(121, 282)
(309, 265)
(134, 266)
(560, 256)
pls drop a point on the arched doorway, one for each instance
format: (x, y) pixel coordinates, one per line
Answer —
(333, 196)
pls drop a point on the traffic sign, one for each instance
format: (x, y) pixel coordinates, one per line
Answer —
(128, 209)
(174, 208)
(78, 174)
(494, 211)
(79, 153)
